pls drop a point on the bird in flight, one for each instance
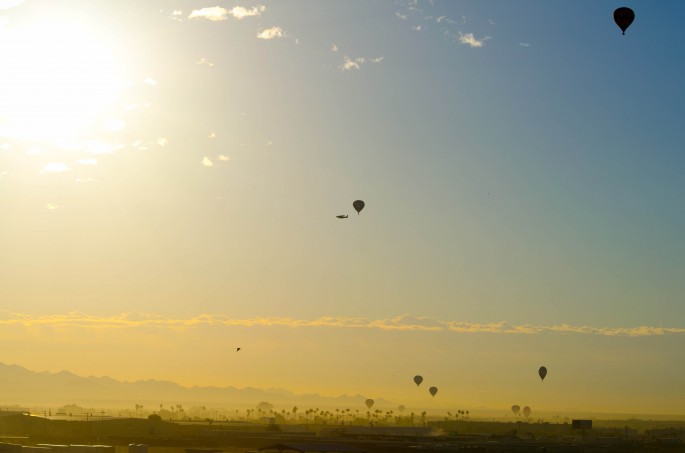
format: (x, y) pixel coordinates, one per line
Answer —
(341, 216)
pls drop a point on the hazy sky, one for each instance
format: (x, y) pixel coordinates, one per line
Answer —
(170, 173)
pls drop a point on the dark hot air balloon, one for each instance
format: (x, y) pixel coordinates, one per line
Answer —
(624, 17)
(516, 409)
(369, 403)
(358, 206)
(526, 411)
(433, 390)
(418, 380)
(542, 372)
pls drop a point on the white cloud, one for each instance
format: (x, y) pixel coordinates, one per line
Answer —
(207, 162)
(162, 141)
(52, 206)
(223, 157)
(334, 48)
(401, 16)
(349, 64)
(217, 13)
(445, 19)
(204, 61)
(214, 13)
(524, 44)
(97, 147)
(417, 27)
(55, 167)
(240, 12)
(470, 40)
(150, 81)
(114, 124)
(271, 33)
(87, 161)
(7, 4)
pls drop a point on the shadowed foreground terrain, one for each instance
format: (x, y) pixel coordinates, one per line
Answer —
(172, 437)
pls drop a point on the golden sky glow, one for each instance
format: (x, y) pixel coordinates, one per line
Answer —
(171, 173)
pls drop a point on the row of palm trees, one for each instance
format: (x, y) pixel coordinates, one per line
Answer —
(313, 415)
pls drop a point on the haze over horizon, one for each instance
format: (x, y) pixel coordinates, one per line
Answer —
(170, 173)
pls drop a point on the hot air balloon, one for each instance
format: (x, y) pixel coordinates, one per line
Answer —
(624, 17)
(369, 403)
(515, 409)
(418, 380)
(358, 205)
(433, 390)
(526, 411)
(542, 372)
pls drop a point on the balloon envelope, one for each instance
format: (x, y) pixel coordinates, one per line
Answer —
(516, 409)
(526, 411)
(369, 403)
(418, 380)
(624, 17)
(358, 206)
(433, 390)
(542, 372)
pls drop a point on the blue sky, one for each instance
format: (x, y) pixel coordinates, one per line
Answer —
(521, 164)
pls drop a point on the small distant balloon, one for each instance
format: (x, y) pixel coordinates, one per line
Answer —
(623, 17)
(369, 403)
(433, 390)
(358, 205)
(542, 372)
(516, 409)
(418, 380)
(526, 411)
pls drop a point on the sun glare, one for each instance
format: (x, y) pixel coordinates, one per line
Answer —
(58, 80)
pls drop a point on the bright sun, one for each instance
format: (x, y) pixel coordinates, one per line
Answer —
(57, 80)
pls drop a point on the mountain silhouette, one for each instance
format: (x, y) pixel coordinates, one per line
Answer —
(22, 386)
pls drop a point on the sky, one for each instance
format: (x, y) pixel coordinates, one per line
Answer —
(171, 172)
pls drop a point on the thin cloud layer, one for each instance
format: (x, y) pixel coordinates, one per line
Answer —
(399, 323)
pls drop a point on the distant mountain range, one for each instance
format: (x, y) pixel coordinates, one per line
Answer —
(21, 386)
